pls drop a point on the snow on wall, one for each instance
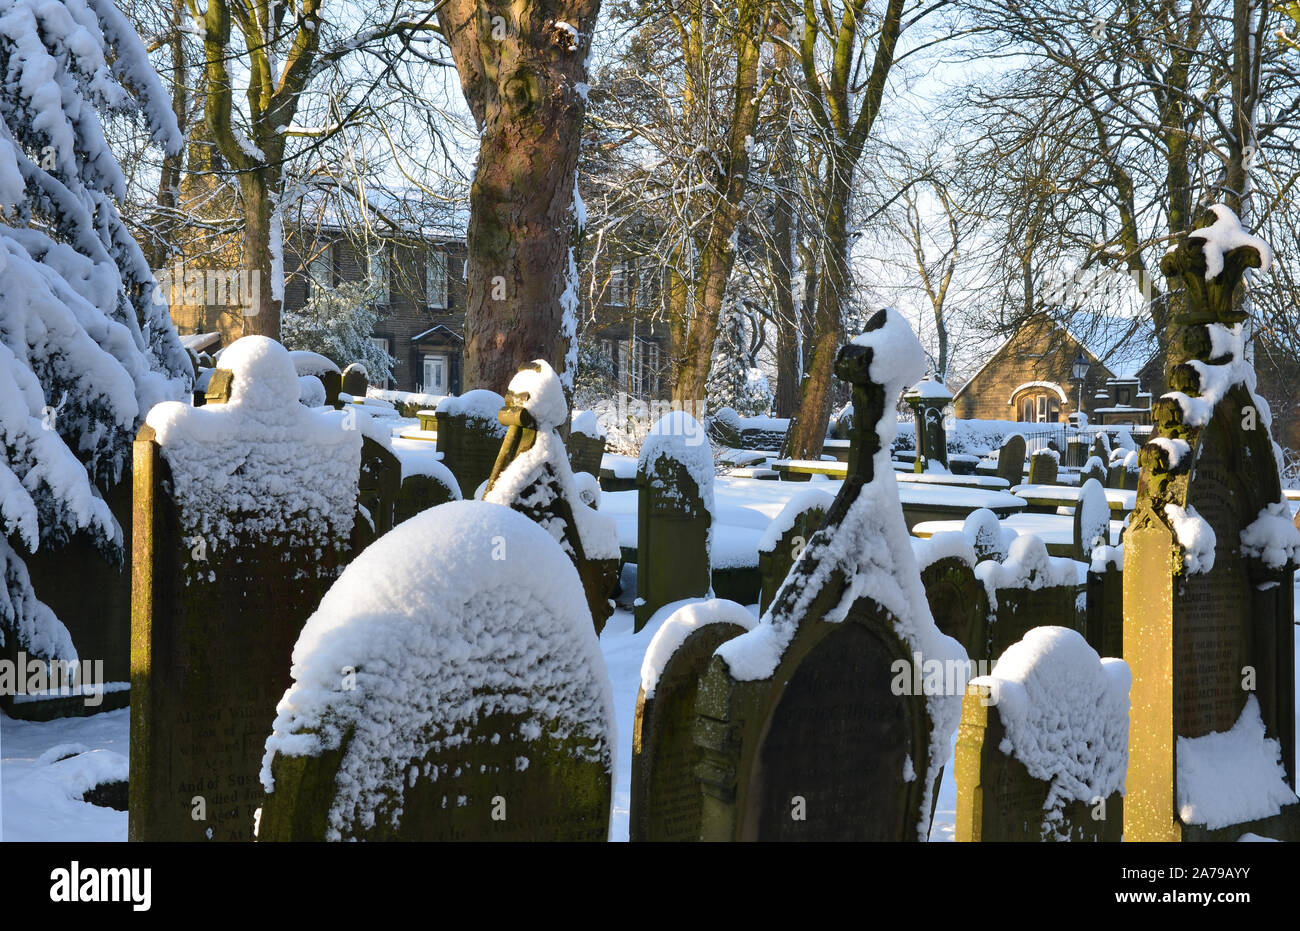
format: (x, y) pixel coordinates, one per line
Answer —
(685, 618)
(441, 634)
(870, 549)
(262, 464)
(1065, 711)
(1027, 565)
(1228, 777)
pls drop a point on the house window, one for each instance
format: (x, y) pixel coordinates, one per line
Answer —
(435, 280)
(378, 262)
(320, 272)
(435, 373)
(618, 284)
(1123, 396)
(1043, 407)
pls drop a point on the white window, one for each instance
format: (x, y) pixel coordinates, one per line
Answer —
(320, 272)
(618, 284)
(379, 274)
(435, 280)
(435, 374)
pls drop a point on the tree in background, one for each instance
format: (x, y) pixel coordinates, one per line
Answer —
(85, 351)
(338, 323)
(523, 70)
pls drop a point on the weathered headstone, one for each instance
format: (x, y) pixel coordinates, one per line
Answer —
(378, 489)
(1104, 624)
(674, 481)
(242, 515)
(1208, 563)
(469, 436)
(785, 538)
(533, 476)
(1093, 468)
(1043, 744)
(1076, 451)
(987, 536)
(1011, 459)
(803, 731)
(425, 489)
(666, 800)
(958, 602)
(928, 398)
(1029, 589)
(1101, 447)
(1043, 467)
(586, 443)
(1091, 520)
(465, 700)
(356, 380)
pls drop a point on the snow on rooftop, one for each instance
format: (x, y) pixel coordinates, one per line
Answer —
(930, 389)
(443, 628)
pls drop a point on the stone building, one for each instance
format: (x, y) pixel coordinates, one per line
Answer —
(1031, 378)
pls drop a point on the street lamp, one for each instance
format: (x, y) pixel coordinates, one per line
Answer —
(1079, 369)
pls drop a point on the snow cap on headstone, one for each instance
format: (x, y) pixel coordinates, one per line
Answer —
(897, 361)
(538, 390)
(264, 373)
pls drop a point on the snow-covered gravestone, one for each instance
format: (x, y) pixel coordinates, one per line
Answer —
(957, 600)
(1209, 557)
(532, 475)
(674, 479)
(469, 436)
(243, 511)
(803, 732)
(356, 380)
(1104, 615)
(666, 801)
(785, 538)
(1091, 520)
(1043, 467)
(449, 687)
(1043, 744)
(586, 443)
(1011, 459)
(1094, 468)
(1028, 589)
(928, 398)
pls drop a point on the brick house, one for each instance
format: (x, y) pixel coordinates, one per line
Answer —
(421, 283)
(625, 328)
(1030, 378)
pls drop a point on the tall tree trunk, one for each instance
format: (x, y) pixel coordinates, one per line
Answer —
(262, 316)
(523, 71)
(809, 433)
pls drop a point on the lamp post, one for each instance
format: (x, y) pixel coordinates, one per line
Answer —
(1079, 369)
